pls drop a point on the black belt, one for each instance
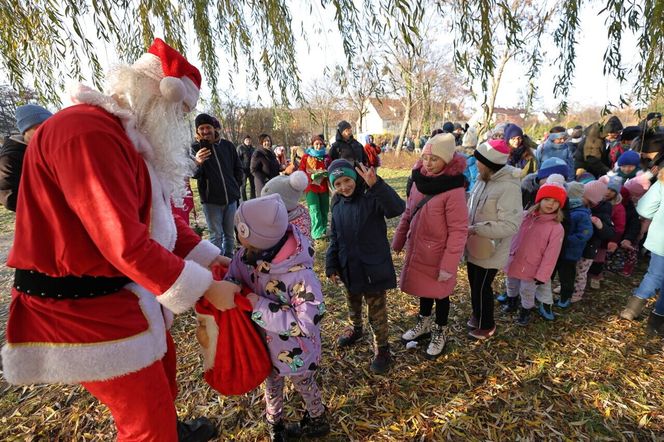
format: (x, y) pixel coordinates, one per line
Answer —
(66, 287)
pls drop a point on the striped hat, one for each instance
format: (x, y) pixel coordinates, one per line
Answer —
(493, 154)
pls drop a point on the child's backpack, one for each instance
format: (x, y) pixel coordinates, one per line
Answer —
(236, 359)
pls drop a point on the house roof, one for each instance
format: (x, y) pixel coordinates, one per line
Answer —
(388, 108)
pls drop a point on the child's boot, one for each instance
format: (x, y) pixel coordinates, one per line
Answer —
(382, 360)
(421, 330)
(437, 344)
(200, 429)
(634, 308)
(502, 298)
(350, 337)
(656, 324)
(546, 312)
(524, 316)
(511, 305)
(278, 431)
(309, 426)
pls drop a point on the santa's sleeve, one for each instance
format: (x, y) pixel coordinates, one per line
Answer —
(191, 247)
(106, 184)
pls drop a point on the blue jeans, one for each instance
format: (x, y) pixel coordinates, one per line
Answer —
(220, 223)
(652, 281)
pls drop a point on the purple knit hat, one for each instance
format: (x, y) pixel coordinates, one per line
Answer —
(595, 191)
(262, 222)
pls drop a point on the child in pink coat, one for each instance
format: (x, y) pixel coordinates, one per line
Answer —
(535, 248)
(434, 229)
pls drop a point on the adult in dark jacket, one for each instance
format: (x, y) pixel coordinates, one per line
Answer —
(359, 251)
(245, 151)
(264, 164)
(219, 175)
(28, 119)
(347, 147)
(588, 155)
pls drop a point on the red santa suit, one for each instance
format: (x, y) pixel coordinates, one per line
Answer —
(91, 204)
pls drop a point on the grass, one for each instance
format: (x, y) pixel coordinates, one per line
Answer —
(586, 376)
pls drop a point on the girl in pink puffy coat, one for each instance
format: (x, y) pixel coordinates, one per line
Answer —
(535, 248)
(434, 229)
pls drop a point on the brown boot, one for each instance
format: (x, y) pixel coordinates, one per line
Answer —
(634, 308)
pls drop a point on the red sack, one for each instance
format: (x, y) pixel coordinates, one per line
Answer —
(236, 359)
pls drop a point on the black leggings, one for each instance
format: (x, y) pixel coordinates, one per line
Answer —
(481, 294)
(442, 309)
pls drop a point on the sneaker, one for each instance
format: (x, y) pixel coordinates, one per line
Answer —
(482, 334)
(473, 323)
(350, 337)
(511, 305)
(594, 284)
(197, 430)
(546, 312)
(421, 330)
(524, 316)
(382, 361)
(309, 426)
(564, 304)
(634, 308)
(437, 344)
(502, 298)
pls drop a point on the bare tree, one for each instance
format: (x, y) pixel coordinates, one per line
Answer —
(360, 82)
(323, 97)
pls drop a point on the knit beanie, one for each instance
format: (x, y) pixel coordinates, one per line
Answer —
(629, 158)
(339, 168)
(511, 131)
(493, 154)
(551, 166)
(630, 132)
(575, 190)
(288, 187)
(204, 119)
(552, 190)
(556, 179)
(612, 125)
(30, 115)
(317, 138)
(262, 222)
(594, 191)
(469, 138)
(639, 185)
(585, 178)
(448, 127)
(612, 182)
(343, 125)
(442, 145)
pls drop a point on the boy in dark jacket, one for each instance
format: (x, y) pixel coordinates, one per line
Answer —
(603, 230)
(347, 147)
(219, 174)
(359, 252)
(244, 152)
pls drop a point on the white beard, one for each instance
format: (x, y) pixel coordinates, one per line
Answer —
(162, 123)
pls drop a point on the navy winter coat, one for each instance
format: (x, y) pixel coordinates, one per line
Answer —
(580, 230)
(359, 250)
(219, 177)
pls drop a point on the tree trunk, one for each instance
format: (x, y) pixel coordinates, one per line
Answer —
(404, 124)
(495, 85)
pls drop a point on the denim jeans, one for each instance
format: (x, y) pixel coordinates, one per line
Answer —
(652, 281)
(220, 223)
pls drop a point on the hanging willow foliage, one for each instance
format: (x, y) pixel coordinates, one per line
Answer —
(52, 39)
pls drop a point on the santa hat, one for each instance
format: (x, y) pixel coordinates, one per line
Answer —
(262, 222)
(179, 81)
(288, 187)
(493, 154)
(441, 145)
(552, 190)
(594, 192)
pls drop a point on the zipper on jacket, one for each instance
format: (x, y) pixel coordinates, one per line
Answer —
(223, 179)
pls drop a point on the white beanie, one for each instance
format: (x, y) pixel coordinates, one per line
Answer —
(289, 187)
(441, 145)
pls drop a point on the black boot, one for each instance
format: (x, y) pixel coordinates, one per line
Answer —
(524, 316)
(277, 431)
(382, 360)
(197, 430)
(309, 426)
(656, 324)
(511, 305)
(350, 337)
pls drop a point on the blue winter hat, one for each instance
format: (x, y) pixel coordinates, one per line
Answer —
(339, 168)
(30, 115)
(551, 166)
(511, 131)
(629, 158)
(448, 127)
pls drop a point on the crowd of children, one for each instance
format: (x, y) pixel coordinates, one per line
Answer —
(558, 221)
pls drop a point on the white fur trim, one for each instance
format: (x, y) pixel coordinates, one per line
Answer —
(212, 330)
(76, 363)
(203, 253)
(187, 289)
(172, 89)
(191, 92)
(150, 65)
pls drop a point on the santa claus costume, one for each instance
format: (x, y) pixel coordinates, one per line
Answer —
(100, 260)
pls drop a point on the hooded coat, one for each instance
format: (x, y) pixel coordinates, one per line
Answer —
(588, 155)
(494, 214)
(350, 150)
(549, 149)
(436, 236)
(580, 229)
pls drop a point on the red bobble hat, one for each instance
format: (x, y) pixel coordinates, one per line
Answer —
(179, 81)
(552, 190)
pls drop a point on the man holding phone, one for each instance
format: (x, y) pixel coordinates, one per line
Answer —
(219, 175)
